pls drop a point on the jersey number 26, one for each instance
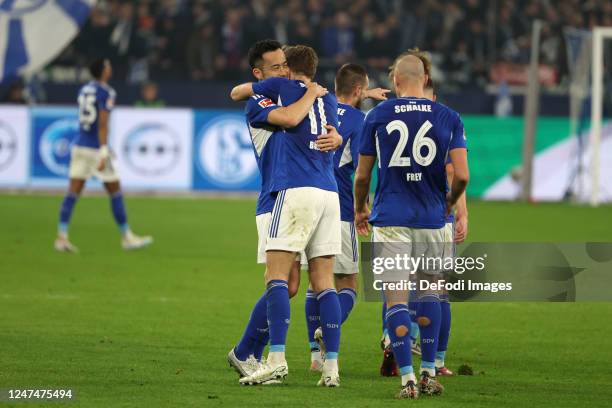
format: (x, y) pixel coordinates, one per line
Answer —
(420, 140)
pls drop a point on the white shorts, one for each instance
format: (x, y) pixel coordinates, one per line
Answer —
(416, 242)
(451, 233)
(84, 163)
(408, 235)
(263, 225)
(306, 219)
(348, 261)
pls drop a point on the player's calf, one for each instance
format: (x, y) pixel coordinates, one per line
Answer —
(346, 286)
(62, 242)
(445, 325)
(398, 325)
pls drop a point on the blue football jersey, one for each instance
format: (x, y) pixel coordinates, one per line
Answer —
(350, 121)
(265, 146)
(93, 98)
(301, 163)
(411, 138)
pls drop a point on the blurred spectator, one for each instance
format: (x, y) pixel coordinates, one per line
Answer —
(379, 48)
(150, 98)
(16, 94)
(203, 53)
(208, 39)
(301, 32)
(126, 43)
(338, 39)
(230, 61)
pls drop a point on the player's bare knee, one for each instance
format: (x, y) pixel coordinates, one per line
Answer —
(293, 287)
(401, 331)
(345, 281)
(423, 321)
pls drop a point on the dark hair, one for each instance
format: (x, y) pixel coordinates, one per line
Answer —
(349, 77)
(96, 68)
(258, 49)
(302, 59)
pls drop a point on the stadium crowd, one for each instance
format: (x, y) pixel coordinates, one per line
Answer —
(207, 39)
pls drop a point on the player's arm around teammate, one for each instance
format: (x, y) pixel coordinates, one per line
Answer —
(291, 116)
(306, 217)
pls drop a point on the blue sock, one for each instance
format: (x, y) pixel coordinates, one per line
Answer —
(329, 307)
(347, 300)
(414, 327)
(429, 307)
(259, 346)
(313, 319)
(384, 317)
(398, 326)
(278, 312)
(119, 211)
(445, 327)
(66, 212)
(256, 332)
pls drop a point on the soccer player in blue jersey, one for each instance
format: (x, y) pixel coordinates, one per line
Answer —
(265, 120)
(411, 137)
(351, 86)
(457, 224)
(306, 216)
(91, 156)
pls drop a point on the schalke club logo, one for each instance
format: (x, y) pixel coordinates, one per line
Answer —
(55, 144)
(8, 145)
(225, 153)
(151, 149)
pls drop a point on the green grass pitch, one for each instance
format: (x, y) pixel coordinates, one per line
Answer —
(152, 328)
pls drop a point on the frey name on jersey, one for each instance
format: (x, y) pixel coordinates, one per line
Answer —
(412, 107)
(414, 176)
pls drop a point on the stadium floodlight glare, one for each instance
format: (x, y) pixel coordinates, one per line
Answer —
(599, 35)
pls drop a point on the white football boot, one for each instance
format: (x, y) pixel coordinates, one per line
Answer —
(243, 368)
(330, 376)
(62, 244)
(267, 373)
(130, 241)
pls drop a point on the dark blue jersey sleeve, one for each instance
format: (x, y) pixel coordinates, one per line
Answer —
(258, 108)
(367, 143)
(356, 140)
(105, 99)
(270, 87)
(458, 139)
(331, 110)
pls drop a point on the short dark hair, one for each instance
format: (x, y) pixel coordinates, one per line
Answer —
(302, 59)
(258, 49)
(96, 67)
(349, 77)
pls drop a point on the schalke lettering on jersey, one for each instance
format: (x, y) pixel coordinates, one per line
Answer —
(411, 138)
